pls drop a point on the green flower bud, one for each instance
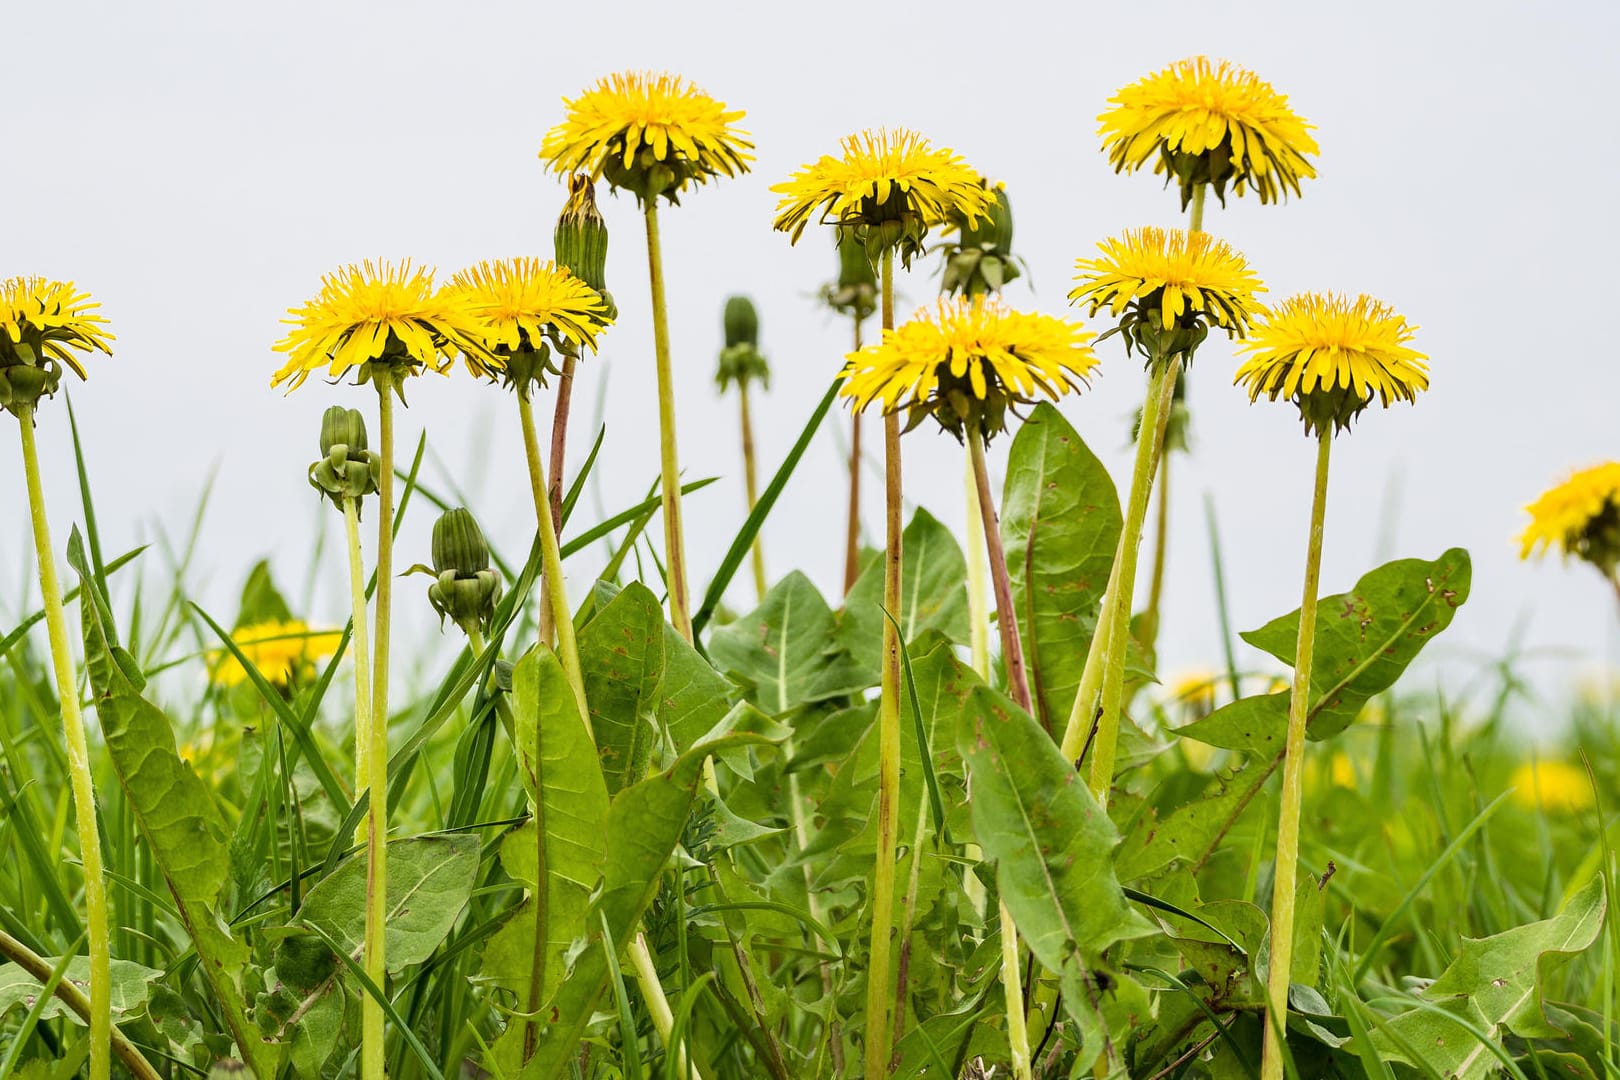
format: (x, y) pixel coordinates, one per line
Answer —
(856, 290)
(465, 589)
(981, 260)
(741, 322)
(347, 470)
(741, 361)
(342, 427)
(581, 238)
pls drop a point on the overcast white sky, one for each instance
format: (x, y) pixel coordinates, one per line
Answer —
(198, 166)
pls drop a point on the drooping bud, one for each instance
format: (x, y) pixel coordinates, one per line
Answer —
(980, 260)
(346, 470)
(741, 360)
(856, 290)
(465, 589)
(581, 238)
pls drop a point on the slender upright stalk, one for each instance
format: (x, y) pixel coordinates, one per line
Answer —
(988, 537)
(375, 752)
(1161, 535)
(1083, 713)
(978, 607)
(852, 542)
(663, 1018)
(879, 984)
(551, 559)
(1012, 649)
(1155, 412)
(554, 491)
(751, 484)
(1293, 783)
(360, 647)
(674, 537)
(78, 755)
(1614, 580)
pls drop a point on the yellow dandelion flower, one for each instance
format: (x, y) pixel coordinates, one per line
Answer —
(1341, 770)
(1580, 516)
(1194, 692)
(648, 132)
(1556, 787)
(1209, 123)
(890, 186)
(281, 649)
(378, 312)
(1332, 356)
(1168, 287)
(965, 360)
(43, 325)
(521, 303)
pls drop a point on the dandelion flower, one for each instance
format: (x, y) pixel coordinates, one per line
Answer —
(1168, 287)
(1332, 356)
(650, 133)
(891, 187)
(281, 650)
(1580, 516)
(965, 360)
(378, 313)
(1209, 123)
(43, 324)
(1555, 786)
(522, 302)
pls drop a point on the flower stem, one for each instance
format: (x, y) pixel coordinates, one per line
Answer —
(852, 544)
(751, 484)
(981, 502)
(1012, 649)
(78, 755)
(674, 537)
(652, 991)
(551, 560)
(1195, 214)
(879, 985)
(1155, 411)
(361, 650)
(554, 491)
(1282, 885)
(1161, 533)
(978, 608)
(375, 752)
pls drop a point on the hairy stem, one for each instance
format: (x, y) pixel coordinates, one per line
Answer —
(554, 491)
(978, 608)
(674, 537)
(78, 757)
(1293, 783)
(375, 752)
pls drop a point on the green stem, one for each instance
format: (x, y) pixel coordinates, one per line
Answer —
(879, 984)
(360, 646)
(978, 607)
(1012, 649)
(1195, 215)
(1155, 411)
(751, 484)
(852, 541)
(554, 490)
(652, 992)
(551, 560)
(375, 753)
(1161, 533)
(674, 537)
(1293, 783)
(1083, 713)
(78, 757)
(70, 995)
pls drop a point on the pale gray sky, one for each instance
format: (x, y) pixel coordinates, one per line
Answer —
(198, 166)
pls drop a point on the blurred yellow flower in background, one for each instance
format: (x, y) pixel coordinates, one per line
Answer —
(1580, 516)
(281, 649)
(1556, 787)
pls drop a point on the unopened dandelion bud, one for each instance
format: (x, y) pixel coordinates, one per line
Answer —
(741, 361)
(980, 260)
(342, 427)
(856, 290)
(581, 239)
(465, 589)
(346, 470)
